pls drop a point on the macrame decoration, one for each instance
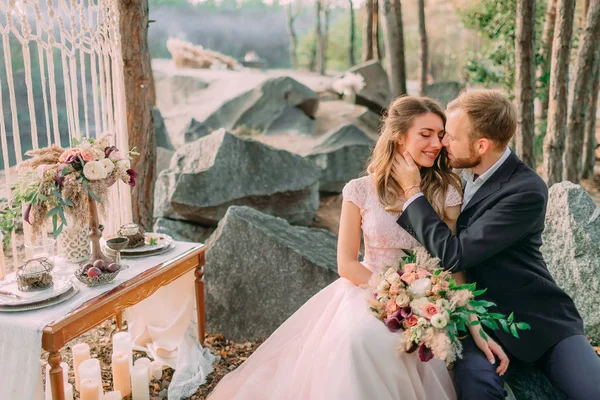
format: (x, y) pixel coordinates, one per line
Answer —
(61, 78)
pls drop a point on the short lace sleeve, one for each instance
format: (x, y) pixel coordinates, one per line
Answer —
(453, 197)
(355, 192)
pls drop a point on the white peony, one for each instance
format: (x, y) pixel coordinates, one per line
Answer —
(439, 321)
(124, 164)
(420, 287)
(115, 155)
(402, 300)
(108, 165)
(94, 170)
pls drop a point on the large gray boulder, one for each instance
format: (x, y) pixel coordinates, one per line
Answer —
(160, 130)
(260, 270)
(446, 91)
(211, 174)
(175, 88)
(257, 109)
(376, 94)
(163, 158)
(572, 249)
(342, 155)
(292, 120)
(182, 230)
(194, 130)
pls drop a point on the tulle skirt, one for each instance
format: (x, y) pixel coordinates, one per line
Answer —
(334, 348)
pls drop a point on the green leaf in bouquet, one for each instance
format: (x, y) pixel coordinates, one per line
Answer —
(490, 323)
(504, 325)
(496, 315)
(513, 330)
(452, 332)
(480, 310)
(53, 212)
(437, 272)
(511, 317)
(476, 322)
(481, 303)
(523, 326)
(93, 195)
(483, 334)
(451, 284)
(479, 292)
(42, 197)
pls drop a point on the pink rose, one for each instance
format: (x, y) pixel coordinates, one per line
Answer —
(412, 321)
(440, 287)
(89, 155)
(391, 307)
(410, 268)
(429, 310)
(394, 288)
(409, 277)
(422, 273)
(68, 153)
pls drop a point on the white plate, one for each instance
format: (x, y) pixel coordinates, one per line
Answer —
(151, 253)
(50, 302)
(59, 287)
(163, 241)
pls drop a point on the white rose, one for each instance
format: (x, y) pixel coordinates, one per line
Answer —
(390, 272)
(94, 170)
(393, 278)
(108, 165)
(439, 321)
(402, 300)
(420, 287)
(383, 286)
(124, 164)
(114, 155)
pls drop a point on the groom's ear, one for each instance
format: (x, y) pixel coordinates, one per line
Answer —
(484, 145)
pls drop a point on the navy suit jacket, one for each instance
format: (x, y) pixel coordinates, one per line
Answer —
(497, 244)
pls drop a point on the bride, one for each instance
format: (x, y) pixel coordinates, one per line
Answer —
(333, 347)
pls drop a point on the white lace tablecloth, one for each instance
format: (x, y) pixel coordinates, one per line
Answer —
(21, 332)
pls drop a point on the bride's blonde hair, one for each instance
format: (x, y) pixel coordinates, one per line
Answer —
(435, 180)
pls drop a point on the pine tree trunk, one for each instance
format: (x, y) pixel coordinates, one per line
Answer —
(325, 38)
(320, 62)
(580, 93)
(291, 18)
(376, 44)
(589, 141)
(546, 53)
(423, 50)
(525, 81)
(137, 73)
(367, 37)
(554, 142)
(351, 48)
(391, 24)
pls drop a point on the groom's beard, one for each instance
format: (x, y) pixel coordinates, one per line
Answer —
(473, 160)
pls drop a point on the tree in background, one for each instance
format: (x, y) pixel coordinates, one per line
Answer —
(579, 96)
(554, 142)
(393, 38)
(292, 9)
(351, 47)
(545, 52)
(423, 50)
(367, 42)
(137, 73)
(525, 81)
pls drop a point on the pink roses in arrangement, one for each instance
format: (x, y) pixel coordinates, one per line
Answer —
(425, 305)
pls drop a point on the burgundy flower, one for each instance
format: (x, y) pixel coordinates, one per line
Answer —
(132, 175)
(27, 212)
(393, 323)
(425, 353)
(109, 150)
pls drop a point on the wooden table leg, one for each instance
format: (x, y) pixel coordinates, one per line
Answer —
(199, 273)
(57, 386)
(119, 318)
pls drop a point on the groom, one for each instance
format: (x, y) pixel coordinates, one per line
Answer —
(497, 244)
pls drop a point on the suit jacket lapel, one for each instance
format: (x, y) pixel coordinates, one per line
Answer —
(494, 183)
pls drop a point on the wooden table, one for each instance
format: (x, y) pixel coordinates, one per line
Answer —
(112, 303)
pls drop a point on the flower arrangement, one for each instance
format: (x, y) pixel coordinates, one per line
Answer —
(350, 83)
(60, 182)
(424, 301)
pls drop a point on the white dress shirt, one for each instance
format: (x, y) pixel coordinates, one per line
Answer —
(472, 185)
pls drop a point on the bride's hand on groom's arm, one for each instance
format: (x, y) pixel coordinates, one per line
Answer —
(491, 349)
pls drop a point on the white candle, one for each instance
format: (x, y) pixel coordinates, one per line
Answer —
(120, 371)
(146, 363)
(89, 389)
(65, 373)
(90, 370)
(140, 383)
(116, 395)
(81, 352)
(122, 342)
(156, 369)
(68, 391)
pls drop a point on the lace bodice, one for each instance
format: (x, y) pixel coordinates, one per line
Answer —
(384, 238)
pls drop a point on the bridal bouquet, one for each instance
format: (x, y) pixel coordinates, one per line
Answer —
(60, 182)
(423, 300)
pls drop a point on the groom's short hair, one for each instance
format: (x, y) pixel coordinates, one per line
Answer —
(490, 113)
